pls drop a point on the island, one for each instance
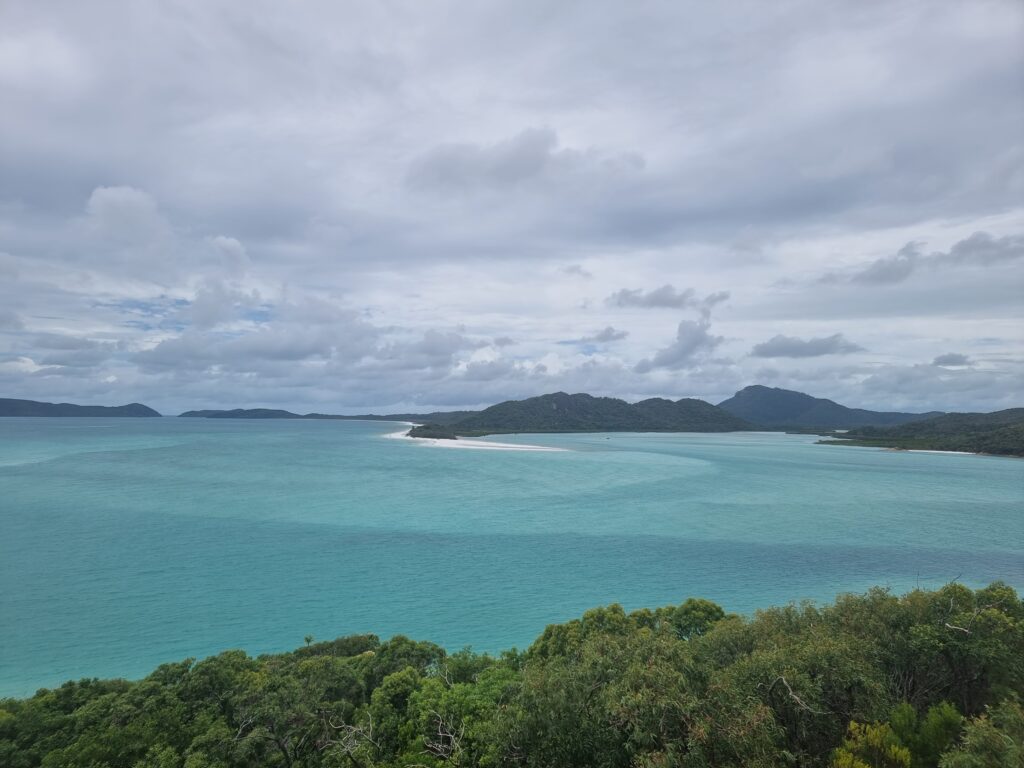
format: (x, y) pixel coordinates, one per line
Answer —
(12, 407)
(1000, 433)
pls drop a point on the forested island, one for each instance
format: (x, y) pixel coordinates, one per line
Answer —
(1000, 434)
(754, 407)
(12, 407)
(931, 678)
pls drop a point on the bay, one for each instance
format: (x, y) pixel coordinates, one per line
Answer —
(125, 543)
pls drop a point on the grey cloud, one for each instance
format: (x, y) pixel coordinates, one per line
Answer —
(665, 297)
(10, 321)
(790, 346)
(125, 214)
(980, 249)
(577, 270)
(216, 302)
(943, 388)
(609, 334)
(692, 342)
(530, 155)
(952, 359)
(892, 269)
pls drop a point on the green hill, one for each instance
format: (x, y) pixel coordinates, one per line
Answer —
(10, 407)
(785, 408)
(1000, 433)
(925, 679)
(561, 412)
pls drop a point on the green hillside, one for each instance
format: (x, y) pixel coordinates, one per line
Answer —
(999, 433)
(930, 679)
(561, 412)
(784, 408)
(10, 407)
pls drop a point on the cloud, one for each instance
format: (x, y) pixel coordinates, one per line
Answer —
(216, 302)
(692, 343)
(9, 320)
(577, 270)
(125, 215)
(665, 297)
(980, 249)
(529, 156)
(372, 224)
(606, 336)
(789, 346)
(952, 359)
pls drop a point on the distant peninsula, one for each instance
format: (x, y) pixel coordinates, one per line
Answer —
(439, 417)
(1000, 433)
(11, 407)
(562, 412)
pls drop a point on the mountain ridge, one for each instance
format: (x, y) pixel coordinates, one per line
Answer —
(582, 412)
(16, 407)
(787, 408)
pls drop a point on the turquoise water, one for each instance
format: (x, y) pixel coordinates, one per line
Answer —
(125, 543)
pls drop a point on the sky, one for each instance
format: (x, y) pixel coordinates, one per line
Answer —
(349, 207)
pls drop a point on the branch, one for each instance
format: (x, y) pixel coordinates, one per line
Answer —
(792, 695)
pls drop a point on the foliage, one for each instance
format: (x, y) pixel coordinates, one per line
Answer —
(871, 680)
(561, 412)
(998, 433)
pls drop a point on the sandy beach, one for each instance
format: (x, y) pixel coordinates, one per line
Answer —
(480, 445)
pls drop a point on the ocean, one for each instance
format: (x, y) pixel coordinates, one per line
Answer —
(126, 543)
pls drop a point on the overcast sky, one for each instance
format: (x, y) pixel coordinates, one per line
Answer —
(401, 205)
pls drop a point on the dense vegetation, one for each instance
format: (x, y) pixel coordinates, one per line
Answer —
(999, 433)
(435, 431)
(926, 679)
(561, 412)
(784, 408)
(10, 407)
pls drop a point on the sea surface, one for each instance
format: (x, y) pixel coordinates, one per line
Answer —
(126, 543)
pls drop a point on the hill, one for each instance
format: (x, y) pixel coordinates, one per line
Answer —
(773, 407)
(242, 413)
(11, 407)
(999, 433)
(934, 677)
(561, 412)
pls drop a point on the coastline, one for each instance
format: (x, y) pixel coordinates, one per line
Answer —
(466, 444)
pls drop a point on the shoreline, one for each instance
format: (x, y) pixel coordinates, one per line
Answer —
(467, 444)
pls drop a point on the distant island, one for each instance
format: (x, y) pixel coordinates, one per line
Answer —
(11, 407)
(561, 412)
(1000, 433)
(439, 417)
(753, 408)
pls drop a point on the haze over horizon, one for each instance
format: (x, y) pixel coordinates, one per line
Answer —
(347, 208)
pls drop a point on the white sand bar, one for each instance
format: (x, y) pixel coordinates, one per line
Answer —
(478, 445)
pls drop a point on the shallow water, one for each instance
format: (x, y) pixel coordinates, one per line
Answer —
(125, 543)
